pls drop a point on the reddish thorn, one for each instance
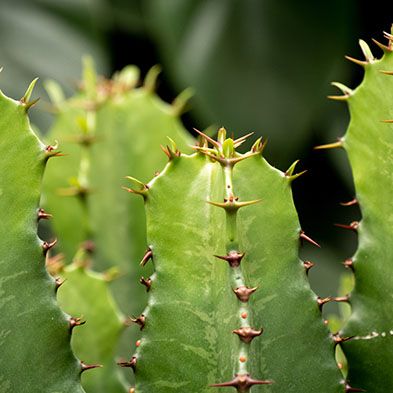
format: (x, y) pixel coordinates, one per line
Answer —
(242, 382)
(353, 226)
(76, 322)
(247, 334)
(212, 141)
(89, 366)
(338, 339)
(342, 298)
(348, 263)
(321, 302)
(138, 343)
(146, 283)
(141, 320)
(43, 215)
(59, 283)
(147, 256)
(243, 293)
(350, 203)
(305, 237)
(351, 389)
(131, 363)
(308, 265)
(233, 258)
(166, 152)
(47, 246)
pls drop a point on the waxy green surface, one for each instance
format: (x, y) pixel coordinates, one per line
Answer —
(187, 342)
(369, 145)
(86, 295)
(125, 124)
(35, 336)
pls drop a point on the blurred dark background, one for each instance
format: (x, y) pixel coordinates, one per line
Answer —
(256, 65)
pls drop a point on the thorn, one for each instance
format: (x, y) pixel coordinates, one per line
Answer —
(330, 145)
(353, 226)
(338, 339)
(141, 320)
(76, 322)
(233, 161)
(344, 89)
(366, 51)
(247, 334)
(244, 293)
(305, 237)
(388, 36)
(338, 98)
(308, 265)
(150, 81)
(350, 389)
(386, 121)
(47, 246)
(166, 152)
(212, 141)
(290, 170)
(59, 283)
(179, 104)
(350, 203)
(175, 150)
(233, 258)
(348, 264)
(89, 366)
(295, 176)
(239, 141)
(382, 46)
(386, 72)
(131, 363)
(146, 283)
(24, 100)
(49, 151)
(342, 298)
(258, 147)
(359, 62)
(321, 302)
(233, 206)
(148, 255)
(1, 69)
(43, 215)
(242, 382)
(138, 343)
(142, 188)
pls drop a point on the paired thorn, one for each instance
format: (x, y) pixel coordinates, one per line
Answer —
(142, 188)
(348, 264)
(42, 215)
(348, 388)
(89, 366)
(141, 320)
(338, 339)
(50, 151)
(148, 255)
(146, 282)
(76, 322)
(233, 258)
(308, 265)
(244, 293)
(305, 237)
(321, 302)
(353, 226)
(382, 46)
(350, 203)
(247, 334)
(59, 283)
(131, 363)
(47, 246)
(259, 146)
(233, 205)
(330, 145)
(242, 383)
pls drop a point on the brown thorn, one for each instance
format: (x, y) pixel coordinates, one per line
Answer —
(386, 72)
(244, 293)
(382, 46)
(247, 334)
(131, 363)
(89, 366)
(43, 215)
(146, 283)
(47, 246)
(242, 382)
(330, 145)
(166, 152)
(148, 255)
(348, 388)
(348, 263)
(321, 302)
(141, 320)
(233, 258)
(76, 322)
(350, 203)
(308, 265)
(338, 339)
(344, 299)
(305, 237)
(212, 141)
(386, 121)
(59, 283)
(356, 61)
(353, 226)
